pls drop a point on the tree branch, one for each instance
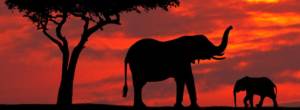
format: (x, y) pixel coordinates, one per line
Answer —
(86, 24)
(59, 28)
(100, 25)
(52, 20)
(58, 43)
(65, 45)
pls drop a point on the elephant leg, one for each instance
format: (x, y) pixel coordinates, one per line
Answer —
(259, 105)
(179, 92)
(137, 86)
(245, 101)
(251, 101)
(191, 89)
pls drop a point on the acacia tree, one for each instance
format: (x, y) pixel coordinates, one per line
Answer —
(95, 14)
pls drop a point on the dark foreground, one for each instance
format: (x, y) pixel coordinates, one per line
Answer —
(116, 107)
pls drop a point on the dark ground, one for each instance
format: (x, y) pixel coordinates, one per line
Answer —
(115, 107)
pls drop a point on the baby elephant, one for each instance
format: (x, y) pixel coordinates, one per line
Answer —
(261, 86)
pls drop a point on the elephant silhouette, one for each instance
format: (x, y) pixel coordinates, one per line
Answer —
(152, 60)
(261, 86)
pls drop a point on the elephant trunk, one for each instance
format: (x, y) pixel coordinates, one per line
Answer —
(224, 42)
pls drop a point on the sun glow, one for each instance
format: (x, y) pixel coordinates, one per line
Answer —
(268, 19)
(263, 1)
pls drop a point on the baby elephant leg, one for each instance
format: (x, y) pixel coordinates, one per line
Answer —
(274, 101)
(246, 101)
(259, 105)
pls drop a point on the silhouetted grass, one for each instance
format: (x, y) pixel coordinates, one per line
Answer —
(116, 107)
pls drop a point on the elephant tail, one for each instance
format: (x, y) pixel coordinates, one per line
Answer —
(125, 88)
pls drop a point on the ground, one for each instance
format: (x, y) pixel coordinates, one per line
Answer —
(116, 107)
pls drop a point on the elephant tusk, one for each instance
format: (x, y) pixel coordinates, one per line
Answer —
(216, 58)
(221, 54)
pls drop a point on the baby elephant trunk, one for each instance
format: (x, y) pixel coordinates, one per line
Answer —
(234, 94)
(125, 88)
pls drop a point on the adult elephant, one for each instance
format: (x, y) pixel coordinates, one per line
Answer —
(151, 60)
(261, 86)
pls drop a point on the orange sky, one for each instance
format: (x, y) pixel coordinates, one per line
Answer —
(265, 42)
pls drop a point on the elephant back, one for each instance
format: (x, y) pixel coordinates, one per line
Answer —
(143, 48)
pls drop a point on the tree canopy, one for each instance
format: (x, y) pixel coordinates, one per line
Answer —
(42, 11)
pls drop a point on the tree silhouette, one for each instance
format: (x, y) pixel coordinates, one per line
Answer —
(95, 14)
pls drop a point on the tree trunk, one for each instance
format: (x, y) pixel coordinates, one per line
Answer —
(66, 84)
(65, 89)
(68, 72)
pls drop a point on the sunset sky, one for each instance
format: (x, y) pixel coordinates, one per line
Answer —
(265, 41)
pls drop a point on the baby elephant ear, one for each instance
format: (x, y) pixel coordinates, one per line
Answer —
(193, 61)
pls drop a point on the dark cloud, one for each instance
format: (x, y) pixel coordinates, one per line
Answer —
(4, 27)
(3, 8)
(98, 90)
(22, 72)
(100, 54)
(161, 23)
(150, 91)
(268, 64)
(101, 83)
